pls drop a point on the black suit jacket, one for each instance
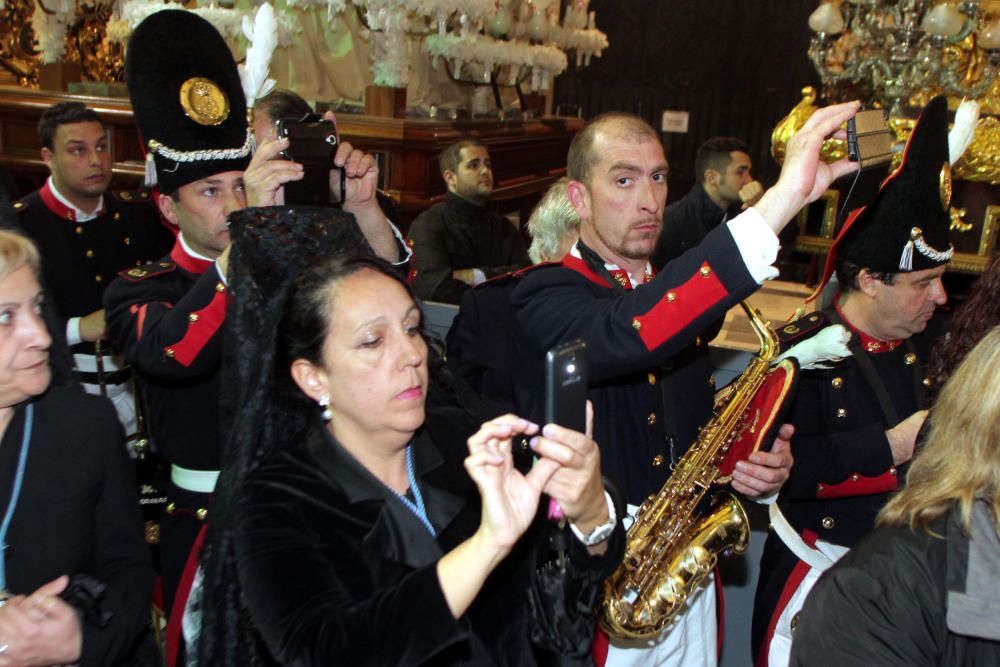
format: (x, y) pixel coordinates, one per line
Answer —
(78, 514)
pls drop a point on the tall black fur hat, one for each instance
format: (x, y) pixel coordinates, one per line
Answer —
(905, 228)
(187, 100)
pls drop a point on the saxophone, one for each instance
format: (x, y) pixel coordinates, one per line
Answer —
(670, 548)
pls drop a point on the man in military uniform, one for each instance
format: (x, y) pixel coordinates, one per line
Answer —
(86, 235)
(633, 321)
(856, 422)
(168, 316)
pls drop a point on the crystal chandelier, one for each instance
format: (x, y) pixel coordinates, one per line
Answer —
(891, 49)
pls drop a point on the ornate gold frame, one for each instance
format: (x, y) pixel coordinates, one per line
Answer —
(810, 243)
(966, 261)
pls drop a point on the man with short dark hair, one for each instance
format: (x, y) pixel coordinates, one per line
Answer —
(634, 322)
(460, 243)
(724, 186)
(856, 421)
(86, 234)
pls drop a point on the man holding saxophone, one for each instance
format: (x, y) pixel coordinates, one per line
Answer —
(634, 322)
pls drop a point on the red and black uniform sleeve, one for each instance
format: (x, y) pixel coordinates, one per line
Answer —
(166, 325)
(639, 329)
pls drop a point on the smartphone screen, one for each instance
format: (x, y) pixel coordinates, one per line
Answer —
(566, 385)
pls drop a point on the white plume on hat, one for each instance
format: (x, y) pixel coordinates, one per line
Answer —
(964, 129)
(263, 38)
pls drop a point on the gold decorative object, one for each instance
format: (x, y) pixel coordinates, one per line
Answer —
(980, 163)
(833, 149)
(944, 185)
(957, 223)
(891, 50)
(203, 101)
(85, 43)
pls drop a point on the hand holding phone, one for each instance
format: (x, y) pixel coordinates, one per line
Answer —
(312, 142)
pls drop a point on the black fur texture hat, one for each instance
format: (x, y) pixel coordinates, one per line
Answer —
(905, 228)
(187, 100)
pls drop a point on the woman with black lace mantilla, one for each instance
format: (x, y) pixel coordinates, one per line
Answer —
(356, 518)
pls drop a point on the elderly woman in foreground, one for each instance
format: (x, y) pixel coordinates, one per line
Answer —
(924, 588)
(75, 572)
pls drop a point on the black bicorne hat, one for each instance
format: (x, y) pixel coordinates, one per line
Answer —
(905, 228)
(187, 100)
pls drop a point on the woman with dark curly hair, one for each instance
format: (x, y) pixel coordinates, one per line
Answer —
(973, 320)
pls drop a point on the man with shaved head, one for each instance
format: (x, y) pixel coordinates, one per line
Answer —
(636, 324)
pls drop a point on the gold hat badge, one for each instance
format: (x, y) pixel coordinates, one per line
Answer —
(203, 101)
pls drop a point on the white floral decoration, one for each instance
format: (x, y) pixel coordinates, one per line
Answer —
(50, 29)
(475, 10)
(491, 52)
(229, 22)
(589, 42)
(391, 57)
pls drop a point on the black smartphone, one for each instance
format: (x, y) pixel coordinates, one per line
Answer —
(312, 142)
(869, 139)
(566, 385)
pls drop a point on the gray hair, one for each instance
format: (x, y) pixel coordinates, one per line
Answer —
(551, 222)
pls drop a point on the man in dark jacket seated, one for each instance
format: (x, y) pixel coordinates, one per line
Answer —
(460, 243)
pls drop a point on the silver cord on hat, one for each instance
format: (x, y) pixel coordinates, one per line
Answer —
(193, 156)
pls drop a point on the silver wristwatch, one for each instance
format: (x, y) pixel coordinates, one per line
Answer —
(599, 533)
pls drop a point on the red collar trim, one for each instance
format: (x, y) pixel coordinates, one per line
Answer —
(580, 266)
(53, 204)
(191, 264)
(620, 275)
(868, 343)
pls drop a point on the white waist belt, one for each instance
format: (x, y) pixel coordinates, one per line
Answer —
(198, 481)
(812, 557)
(112, 390)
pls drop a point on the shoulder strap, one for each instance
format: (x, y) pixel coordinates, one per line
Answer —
(872, 377)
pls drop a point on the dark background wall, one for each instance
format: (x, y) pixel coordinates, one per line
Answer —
(736, 67)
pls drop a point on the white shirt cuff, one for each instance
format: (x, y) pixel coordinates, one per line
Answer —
(402, 241)
(73, 331)
(478, 277)
(758, 245)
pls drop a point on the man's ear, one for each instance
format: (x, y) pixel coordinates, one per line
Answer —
(866, 282)
(168, 209)
(712, 177)
(579, 198)
(310, 378)
(47, 157)
(450, 179)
